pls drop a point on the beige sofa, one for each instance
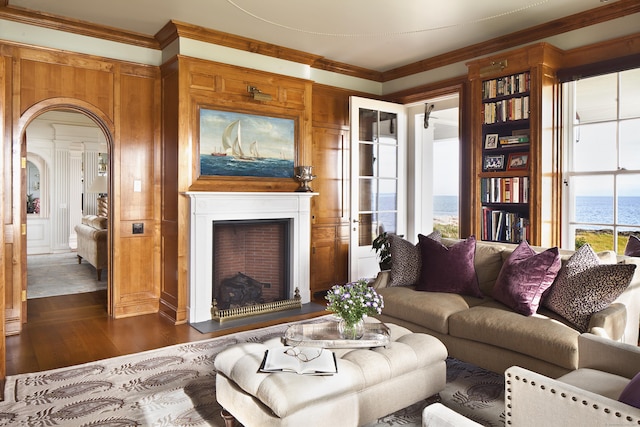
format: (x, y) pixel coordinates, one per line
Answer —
(487, 333)
(92, 242)
(587, 396)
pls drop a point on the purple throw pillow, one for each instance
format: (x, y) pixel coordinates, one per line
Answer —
(633, 246)
(448, 269)
(631, 393)
(524, 276)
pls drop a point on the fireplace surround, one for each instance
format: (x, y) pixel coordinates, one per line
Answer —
(207, 207)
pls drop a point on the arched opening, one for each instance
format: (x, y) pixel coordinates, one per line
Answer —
(67, 149)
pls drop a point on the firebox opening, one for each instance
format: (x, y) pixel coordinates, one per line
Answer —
(250, 262)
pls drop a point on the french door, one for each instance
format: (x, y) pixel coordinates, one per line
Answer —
(378, 179)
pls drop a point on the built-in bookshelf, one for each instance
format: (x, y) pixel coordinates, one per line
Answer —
(512, 110)
(504, 181)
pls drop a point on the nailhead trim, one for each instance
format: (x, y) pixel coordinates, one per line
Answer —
(595, 406)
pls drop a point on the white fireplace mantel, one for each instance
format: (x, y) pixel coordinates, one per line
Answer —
(207, 207)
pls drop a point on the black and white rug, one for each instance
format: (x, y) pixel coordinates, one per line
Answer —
(175, 386)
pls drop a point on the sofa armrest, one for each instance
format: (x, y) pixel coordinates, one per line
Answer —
(381, 280)
(609, 356)
(609, 322)
(533, 400)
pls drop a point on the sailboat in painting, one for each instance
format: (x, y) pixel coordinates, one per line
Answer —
(233, 147)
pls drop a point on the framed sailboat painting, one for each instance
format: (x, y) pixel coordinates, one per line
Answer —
(239, 144)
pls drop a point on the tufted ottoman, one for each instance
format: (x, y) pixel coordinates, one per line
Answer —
(370, 383)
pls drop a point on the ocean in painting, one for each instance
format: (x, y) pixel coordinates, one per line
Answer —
(230, 166)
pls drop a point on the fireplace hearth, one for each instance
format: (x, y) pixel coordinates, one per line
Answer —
(209, 207)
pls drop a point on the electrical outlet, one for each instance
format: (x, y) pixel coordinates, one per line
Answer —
(137, 228)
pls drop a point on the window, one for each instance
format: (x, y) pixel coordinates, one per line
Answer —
(601, 197)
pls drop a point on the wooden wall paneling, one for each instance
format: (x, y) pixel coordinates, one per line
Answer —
(5, 191)
(125, 98)
(330, 209)
(134, 164)
(219, 86)
(48, 79)
(13, 244)
(169, 198)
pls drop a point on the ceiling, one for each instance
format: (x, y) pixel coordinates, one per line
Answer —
(374, 34)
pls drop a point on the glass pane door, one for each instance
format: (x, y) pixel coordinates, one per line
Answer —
(378, 182)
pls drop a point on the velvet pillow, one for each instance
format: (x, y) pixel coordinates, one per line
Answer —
(633, 246)
(584, 286)
(448, 269)
(631, 393)
(405, 260)
(524, 276)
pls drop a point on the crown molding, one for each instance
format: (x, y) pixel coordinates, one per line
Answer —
(55, 22)
(175, 29)
(590, 17)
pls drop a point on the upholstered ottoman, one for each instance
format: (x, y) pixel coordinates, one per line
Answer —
(370, 383)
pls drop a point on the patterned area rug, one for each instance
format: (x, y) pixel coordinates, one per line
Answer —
(175, 386)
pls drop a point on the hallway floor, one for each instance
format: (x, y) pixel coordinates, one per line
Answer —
(60, 274)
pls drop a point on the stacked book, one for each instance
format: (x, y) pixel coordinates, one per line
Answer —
(513, 140)
(508, 85)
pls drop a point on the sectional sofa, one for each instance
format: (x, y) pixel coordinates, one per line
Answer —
(485, 331)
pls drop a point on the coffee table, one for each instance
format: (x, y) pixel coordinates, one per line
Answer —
(326, 335)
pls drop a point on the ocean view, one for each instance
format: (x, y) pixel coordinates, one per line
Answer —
(591, 209)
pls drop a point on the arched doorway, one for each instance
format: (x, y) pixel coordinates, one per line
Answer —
(81, 140)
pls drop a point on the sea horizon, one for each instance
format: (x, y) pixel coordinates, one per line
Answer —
(589, 209)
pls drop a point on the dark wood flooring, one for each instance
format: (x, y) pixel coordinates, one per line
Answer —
(71, 329)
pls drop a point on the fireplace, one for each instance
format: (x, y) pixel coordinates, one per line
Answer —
(208, 210)
(250, 262)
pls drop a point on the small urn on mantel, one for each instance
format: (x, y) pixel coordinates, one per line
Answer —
(304, 174)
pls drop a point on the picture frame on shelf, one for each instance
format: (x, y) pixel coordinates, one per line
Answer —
(491, 141)
(518, 161)
(493, 162)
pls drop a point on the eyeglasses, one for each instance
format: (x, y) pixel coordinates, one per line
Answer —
(302, 354)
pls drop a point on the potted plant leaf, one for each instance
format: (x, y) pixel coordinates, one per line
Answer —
(382, 246)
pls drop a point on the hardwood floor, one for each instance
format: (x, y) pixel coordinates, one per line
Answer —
(71, 329)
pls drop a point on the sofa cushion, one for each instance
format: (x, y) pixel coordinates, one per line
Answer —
(584, 286)
(631, 393)
(524, 276)
(406, 260)
(596, 381)
(428, 309)
(539, 335)
(633, 246)
(448, 269)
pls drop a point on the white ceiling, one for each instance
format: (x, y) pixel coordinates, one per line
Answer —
(374, 34)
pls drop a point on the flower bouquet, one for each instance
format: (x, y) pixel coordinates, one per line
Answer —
(351, 303)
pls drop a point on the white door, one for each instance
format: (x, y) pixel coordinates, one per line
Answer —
(378, 179)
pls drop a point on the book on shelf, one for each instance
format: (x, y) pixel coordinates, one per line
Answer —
(514, 140)
(300, 360)
(506, 110)
(505, 190)
(503, 226)
(507, 85)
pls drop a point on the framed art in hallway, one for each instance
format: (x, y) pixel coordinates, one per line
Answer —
(238, 144)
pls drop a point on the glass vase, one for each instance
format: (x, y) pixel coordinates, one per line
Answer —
(351, 331)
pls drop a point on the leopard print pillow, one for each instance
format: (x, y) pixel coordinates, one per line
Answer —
(584, 286)
(406, 260)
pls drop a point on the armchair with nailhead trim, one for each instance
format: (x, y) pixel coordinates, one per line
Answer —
(587, 396)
